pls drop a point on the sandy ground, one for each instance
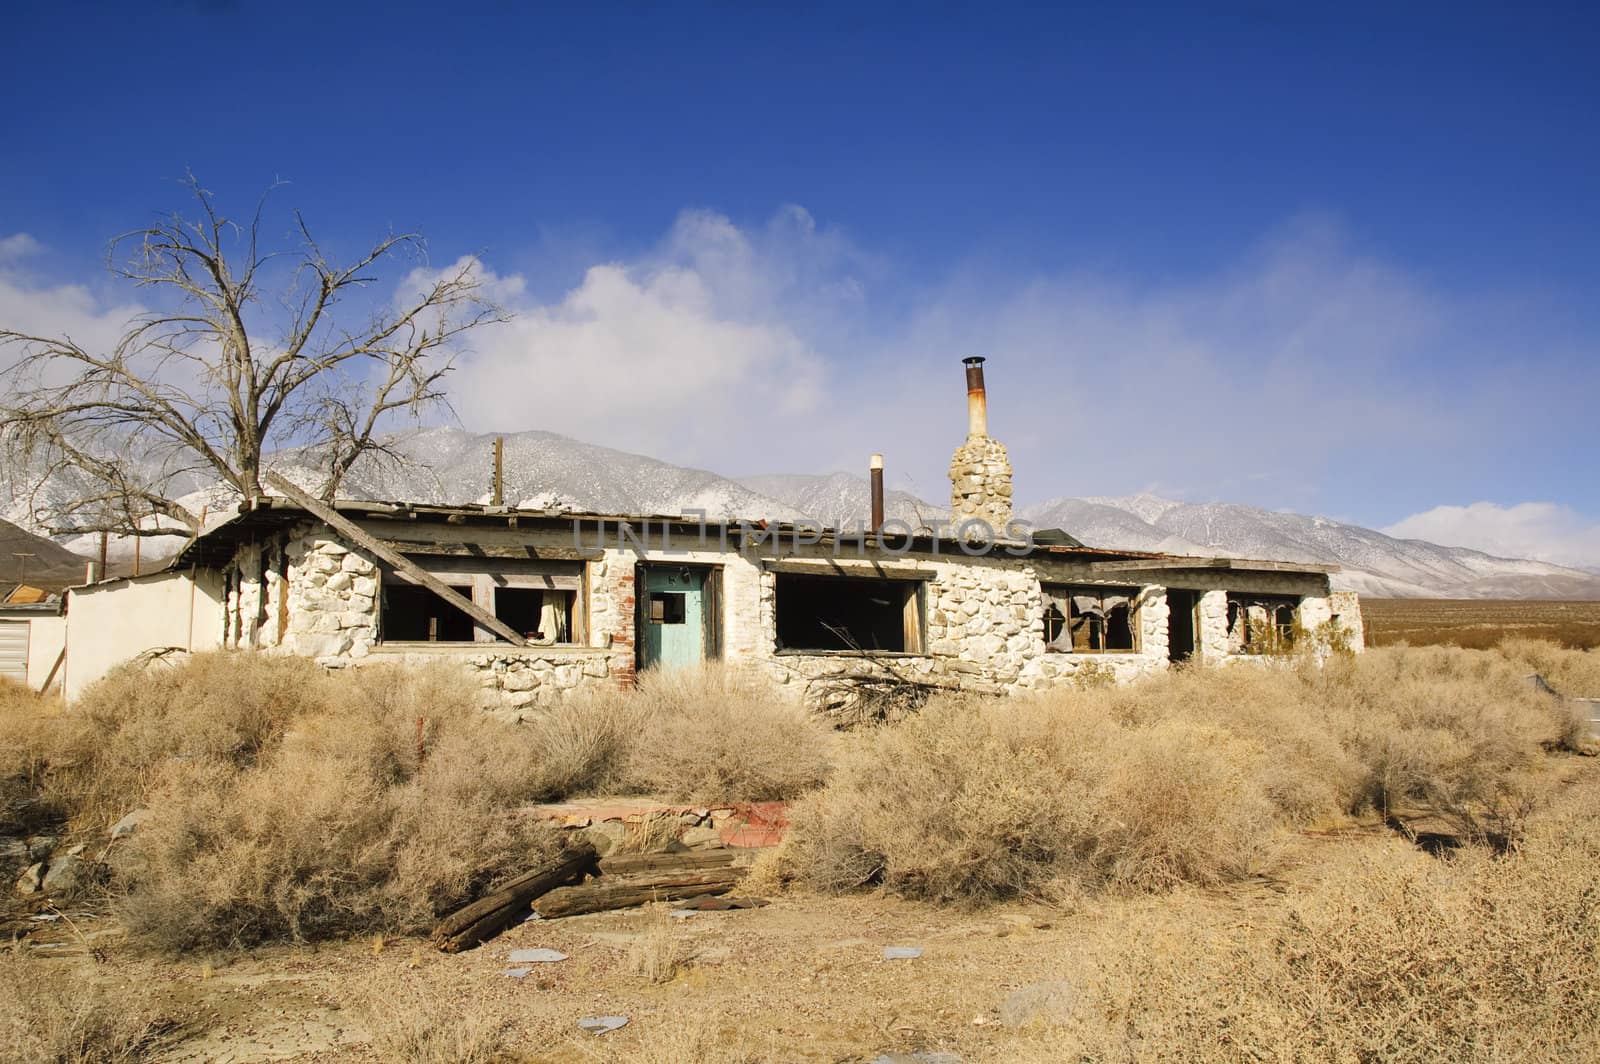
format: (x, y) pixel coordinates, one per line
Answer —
(803, 979)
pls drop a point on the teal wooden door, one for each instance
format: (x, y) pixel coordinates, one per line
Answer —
(673, 618)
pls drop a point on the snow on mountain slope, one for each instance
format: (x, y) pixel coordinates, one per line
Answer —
(546, 470)
(1373, 563)
(840, 499)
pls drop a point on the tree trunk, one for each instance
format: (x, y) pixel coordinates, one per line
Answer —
(622, 892)
(493, 913)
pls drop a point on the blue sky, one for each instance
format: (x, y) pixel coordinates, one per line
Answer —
(1338, 260)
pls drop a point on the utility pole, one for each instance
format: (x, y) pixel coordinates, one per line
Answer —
(499, 496)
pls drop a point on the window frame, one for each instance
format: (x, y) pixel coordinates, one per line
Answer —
(1282, 641)
(485, 576)
(913, 612)
(1056, 594)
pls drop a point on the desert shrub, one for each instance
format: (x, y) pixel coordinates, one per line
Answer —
(1385, 954)
(51, 1015)
(346, 825)
(1309, 776)
(30, 739)
(216, 708)
(1574, 673)
(1453, 730)
(976, 800)
(718, 734)
(1183, 778)
(582, 745)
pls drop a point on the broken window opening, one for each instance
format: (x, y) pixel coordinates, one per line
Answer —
(413, 614)
(1262, 624)
(844, 613)
(1091, 620)
(539, 614)
(541, 601)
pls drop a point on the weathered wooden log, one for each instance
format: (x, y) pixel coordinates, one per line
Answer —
(493, 913)
(622, 892)
(634, 863)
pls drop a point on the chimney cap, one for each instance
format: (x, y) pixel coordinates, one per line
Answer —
(974, 360)
(876, 462)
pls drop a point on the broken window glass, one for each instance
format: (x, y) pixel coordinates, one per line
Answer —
(1261, 624)
(1090, 620)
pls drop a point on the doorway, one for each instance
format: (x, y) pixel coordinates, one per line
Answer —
(1183, 608)
(678, 615)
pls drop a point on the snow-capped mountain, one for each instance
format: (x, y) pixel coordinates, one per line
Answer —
(548, 471)
(1373, 563)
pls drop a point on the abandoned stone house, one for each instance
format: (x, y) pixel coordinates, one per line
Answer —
(540, 603)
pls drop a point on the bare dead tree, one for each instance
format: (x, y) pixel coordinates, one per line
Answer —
(228, 371)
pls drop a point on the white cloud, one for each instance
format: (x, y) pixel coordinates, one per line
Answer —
(33, 305)
(16, 246)
(786, 347)
(1544, 530)
(687, 354)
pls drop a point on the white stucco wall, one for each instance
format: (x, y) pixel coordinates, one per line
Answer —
(106, 624)
(47, 637)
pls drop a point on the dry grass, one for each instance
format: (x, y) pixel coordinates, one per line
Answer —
(343, 825)
(289, 803)
(413, 1023)
(1391, 955)
(660, 951)
(49, 1016)
(975, 800)
(719, 734)
(1186, 778)
(30, 731)
(708, 734)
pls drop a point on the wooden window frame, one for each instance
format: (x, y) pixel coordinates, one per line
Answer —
(1055, 594)
(484, 576)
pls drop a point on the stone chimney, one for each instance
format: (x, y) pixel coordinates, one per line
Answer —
(980, 471)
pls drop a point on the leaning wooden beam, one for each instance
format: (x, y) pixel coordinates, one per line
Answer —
(493, 913)
(621, 892)
(372, 545)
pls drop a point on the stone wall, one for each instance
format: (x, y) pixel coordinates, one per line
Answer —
(304, 591)
(980, 483)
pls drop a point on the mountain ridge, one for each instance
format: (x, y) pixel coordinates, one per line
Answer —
(545, 470)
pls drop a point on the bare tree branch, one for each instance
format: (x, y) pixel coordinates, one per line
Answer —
(219, 377)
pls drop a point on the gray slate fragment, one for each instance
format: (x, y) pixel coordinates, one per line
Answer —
(64, 876)
(602, 1024)
(31, 880)
(918, 1058)
(517, 973)
(537, 956)
(129, 824)
(901, 953)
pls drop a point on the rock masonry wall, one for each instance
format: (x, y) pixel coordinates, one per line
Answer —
(980, 483)
(307, 593)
